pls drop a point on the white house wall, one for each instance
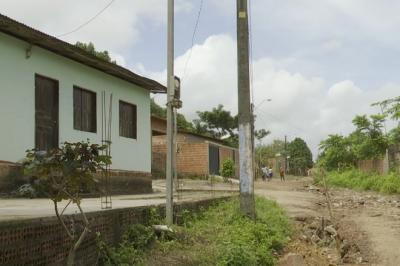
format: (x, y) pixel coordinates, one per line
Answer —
(17, 104)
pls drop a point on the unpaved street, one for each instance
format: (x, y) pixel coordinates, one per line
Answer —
(368, 223)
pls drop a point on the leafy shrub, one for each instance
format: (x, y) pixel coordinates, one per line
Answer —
(356, 179)
(135, 240)
(139, 236)
(228, 168)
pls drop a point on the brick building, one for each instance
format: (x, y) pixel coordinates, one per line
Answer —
(198, 155)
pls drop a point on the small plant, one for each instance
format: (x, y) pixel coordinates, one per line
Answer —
(61, 174)
(228, 169)
(139, 236)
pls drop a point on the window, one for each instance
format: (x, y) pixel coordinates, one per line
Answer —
(84, 110)
(127, 120)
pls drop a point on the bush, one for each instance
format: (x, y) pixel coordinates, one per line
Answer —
(228, 168)
(356, 179)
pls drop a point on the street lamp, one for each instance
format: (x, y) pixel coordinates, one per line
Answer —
(263, 101)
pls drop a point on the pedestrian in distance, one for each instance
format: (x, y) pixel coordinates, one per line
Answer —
(282, 173)
(264, 173)
(270, 173)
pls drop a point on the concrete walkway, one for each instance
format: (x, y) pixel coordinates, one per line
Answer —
(16, 209)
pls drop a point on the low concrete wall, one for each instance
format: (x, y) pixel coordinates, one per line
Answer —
(43, 241)
(372, 166)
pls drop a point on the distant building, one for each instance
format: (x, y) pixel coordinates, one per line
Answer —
(198, 155)
(51, 92)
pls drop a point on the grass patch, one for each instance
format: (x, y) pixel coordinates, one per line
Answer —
(219, 235)
(356, 179)
(222, 236)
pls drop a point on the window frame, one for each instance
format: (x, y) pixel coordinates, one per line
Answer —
(122, 131)
(93, 119)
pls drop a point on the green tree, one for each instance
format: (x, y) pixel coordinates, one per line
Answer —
(390, 107)
(89, 47)
(261, 133)
(265, 152)
(368, 140)
(218, 122)
(161, 112)
(300, 156)
(336, 152)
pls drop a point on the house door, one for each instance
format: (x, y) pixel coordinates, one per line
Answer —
(46, 113)
(213, 160)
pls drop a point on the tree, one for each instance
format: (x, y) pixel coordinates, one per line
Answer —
(89, 47)
(390, 107)
(260, 134)
(161, 112)
(218, 122)
(368, 140)
(336, 152)
(62, 174)
(265, 152)
(300, 156)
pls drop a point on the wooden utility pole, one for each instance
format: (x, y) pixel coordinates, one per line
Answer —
(285, 155)
(247, 205)
(170, 115)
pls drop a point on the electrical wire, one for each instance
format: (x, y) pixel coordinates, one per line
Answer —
(196, 25)
(88, 21)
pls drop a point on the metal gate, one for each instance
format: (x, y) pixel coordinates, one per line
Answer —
(213, 160)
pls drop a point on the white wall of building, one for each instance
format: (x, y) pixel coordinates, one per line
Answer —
(17, 104)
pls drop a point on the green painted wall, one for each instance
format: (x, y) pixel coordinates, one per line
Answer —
(17, 104)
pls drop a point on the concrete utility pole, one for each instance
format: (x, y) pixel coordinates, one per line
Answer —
(245, 115)
(170, 119)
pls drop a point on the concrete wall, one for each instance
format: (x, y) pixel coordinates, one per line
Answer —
(17, 104)
(42, 241)
(370, 166)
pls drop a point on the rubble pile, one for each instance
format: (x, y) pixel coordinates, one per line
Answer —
(322, 233)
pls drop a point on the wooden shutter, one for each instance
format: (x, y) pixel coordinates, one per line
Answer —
(127, 120)
(85, 115)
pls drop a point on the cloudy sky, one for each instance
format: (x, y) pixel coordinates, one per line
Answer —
(321, 62)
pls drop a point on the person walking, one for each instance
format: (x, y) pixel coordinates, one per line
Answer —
(264, 171)
(282, 173)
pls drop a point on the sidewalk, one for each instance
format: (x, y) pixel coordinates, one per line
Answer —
(16, 209)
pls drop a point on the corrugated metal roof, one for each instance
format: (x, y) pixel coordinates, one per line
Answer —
(50, 43)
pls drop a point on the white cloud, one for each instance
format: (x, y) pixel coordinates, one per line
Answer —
(301, 106)
(331, 45)
(117, 29)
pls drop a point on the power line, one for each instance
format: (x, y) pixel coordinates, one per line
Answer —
(196, 25)
(87, 22)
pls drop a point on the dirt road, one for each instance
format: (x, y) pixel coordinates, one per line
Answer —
(368, 223)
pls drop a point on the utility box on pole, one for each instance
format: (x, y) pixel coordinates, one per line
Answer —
(247, 204)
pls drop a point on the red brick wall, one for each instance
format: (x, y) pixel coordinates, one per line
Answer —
(42, 241)
(192, 156)
(192, 159)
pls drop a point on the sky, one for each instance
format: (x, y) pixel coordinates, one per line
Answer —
(320, 62)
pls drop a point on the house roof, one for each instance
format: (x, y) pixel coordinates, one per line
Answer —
(50, 43)
(162, 131)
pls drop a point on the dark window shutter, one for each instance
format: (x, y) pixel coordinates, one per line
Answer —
(127, 120)
(85, 115)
